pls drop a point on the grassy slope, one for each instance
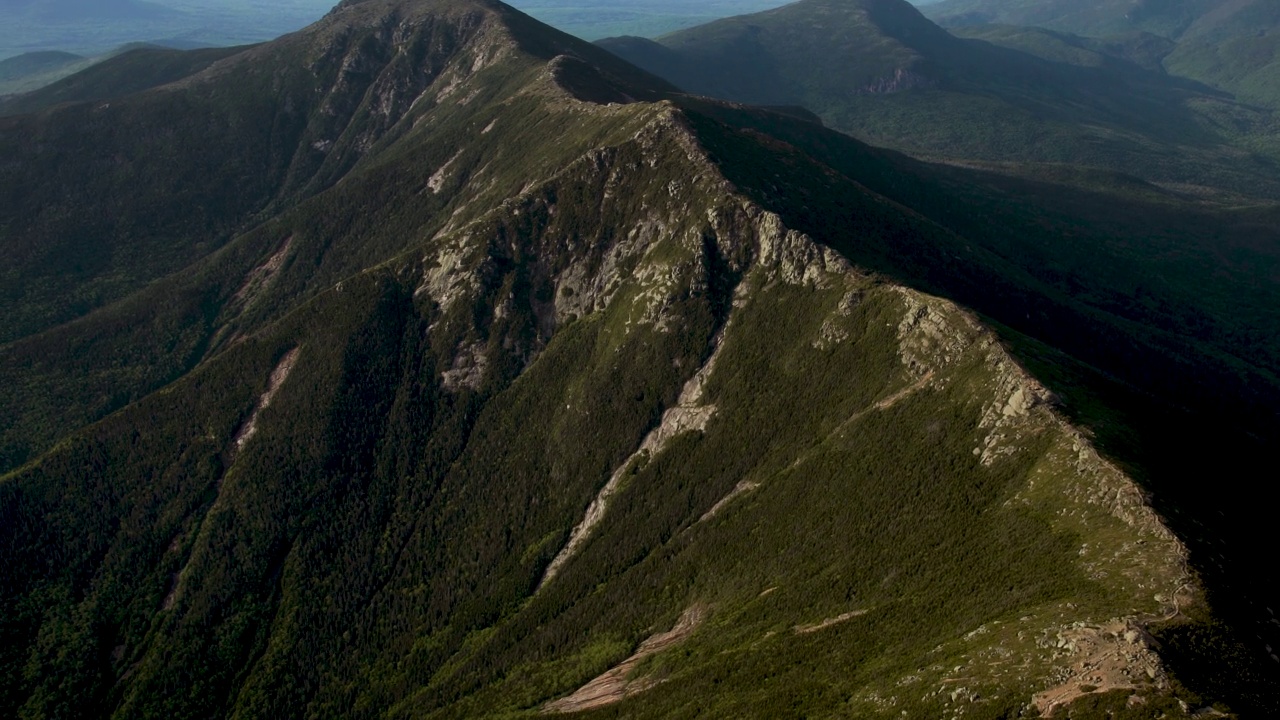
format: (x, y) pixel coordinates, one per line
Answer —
(66, 223)
(1120, 389)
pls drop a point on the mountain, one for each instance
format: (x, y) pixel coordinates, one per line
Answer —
(1228, 45)
(1175, 19)
(144, 67)
(1246, 64)
(33, 70)
(16, 68)
(879, 70)
(430, 362)
(595, 19)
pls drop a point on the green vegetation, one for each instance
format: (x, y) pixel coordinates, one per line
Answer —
(1173, 19)
(305, 428)
(1246, 65)
(1230, 46)
(36, 69)
(133, 70)
(880, 71)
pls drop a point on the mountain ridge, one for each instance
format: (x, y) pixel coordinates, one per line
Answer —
(931, 94)
(361, 430)
(1228, 45)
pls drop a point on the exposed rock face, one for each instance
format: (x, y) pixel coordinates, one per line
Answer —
(588, 386)
(274, 383)
(902, 79)
(617, 684)
(940, 346)
(1118, 655)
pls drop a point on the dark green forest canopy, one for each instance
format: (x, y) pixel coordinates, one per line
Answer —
(1028, 103)
(431, 363)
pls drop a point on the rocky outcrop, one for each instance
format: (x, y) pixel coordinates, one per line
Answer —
(901, 79)
(274, 383)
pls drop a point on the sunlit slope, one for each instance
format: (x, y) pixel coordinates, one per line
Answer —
(365, 514)
(550, 372)
(101, 197)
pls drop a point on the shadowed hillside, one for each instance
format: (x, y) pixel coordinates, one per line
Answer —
(880, 71)
(1175, 19)
(1227, 44)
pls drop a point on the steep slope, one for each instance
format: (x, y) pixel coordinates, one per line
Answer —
(263, 137)
(549, 376)
(880, 71)
(240, 146)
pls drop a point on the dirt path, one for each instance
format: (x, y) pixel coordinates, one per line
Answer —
(1119, 655)
(911, 389)
(616, 684)
(829, 622)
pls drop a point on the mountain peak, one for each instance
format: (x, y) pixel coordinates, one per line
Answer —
(895, 18)
(858, 46)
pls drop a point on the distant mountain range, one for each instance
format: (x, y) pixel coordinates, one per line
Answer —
(89, 27)
(37, 62)
(1233, 44)
(881, 71)
(1175, 19)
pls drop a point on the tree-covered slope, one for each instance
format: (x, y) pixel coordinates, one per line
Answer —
(540, 373)
(1228, 44)
(1245, 64)
(877, 69)
(373, 488)
(32, 70)
(1175, 19)
(132, 71)
(100, 198)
